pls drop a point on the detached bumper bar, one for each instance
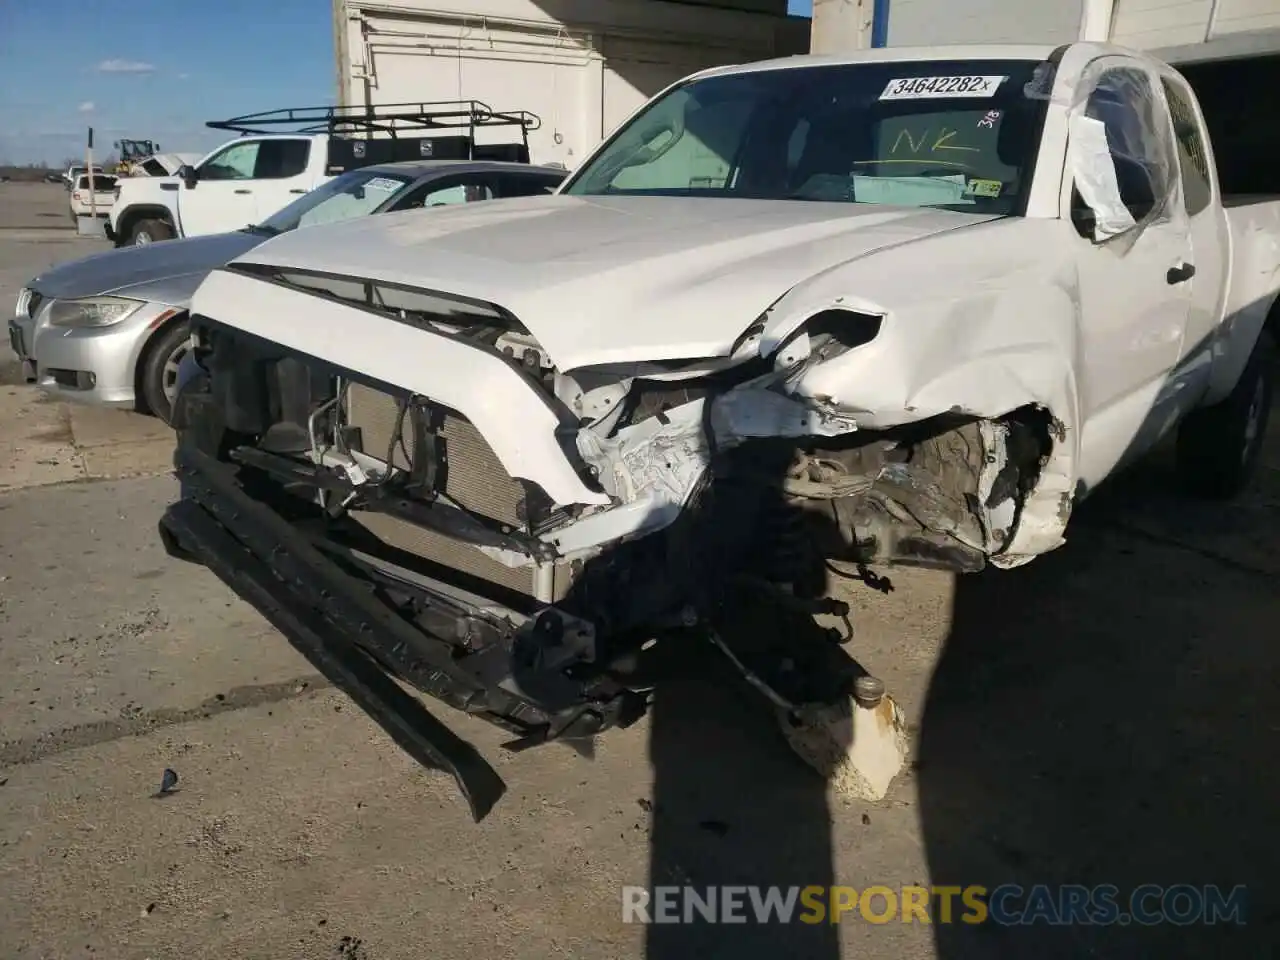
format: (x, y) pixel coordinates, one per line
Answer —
(213, 529)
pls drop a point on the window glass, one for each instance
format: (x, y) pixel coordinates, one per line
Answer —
(1137, 131)
(101, 183)
(441, 193)
(155, 168)
(962, 134)
(235, 162)
(697, 153)
(1197, 189)
(528, 185)
(354, 194)
(278, 159)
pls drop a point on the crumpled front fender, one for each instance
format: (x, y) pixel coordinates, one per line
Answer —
(1007, 340)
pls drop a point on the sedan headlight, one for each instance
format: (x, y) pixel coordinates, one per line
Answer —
(24, 298)
(91, 312)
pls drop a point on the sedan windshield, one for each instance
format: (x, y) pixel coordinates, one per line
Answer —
(960, 134)
(351, 195)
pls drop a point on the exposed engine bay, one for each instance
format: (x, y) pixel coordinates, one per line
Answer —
(380, 531)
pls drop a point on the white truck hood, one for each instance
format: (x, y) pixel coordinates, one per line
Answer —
(609, 279)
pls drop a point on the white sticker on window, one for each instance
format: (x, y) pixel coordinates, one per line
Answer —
(933, 88)
(382, 183)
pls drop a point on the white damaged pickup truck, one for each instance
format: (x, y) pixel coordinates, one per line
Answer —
(797, 318)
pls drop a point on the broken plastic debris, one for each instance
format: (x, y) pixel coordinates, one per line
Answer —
(168, 781)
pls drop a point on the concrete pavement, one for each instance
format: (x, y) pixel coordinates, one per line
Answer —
(1107, 714)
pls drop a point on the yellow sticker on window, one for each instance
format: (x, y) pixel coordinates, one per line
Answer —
(983, 188)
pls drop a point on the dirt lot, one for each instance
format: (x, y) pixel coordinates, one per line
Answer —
(1108, 714)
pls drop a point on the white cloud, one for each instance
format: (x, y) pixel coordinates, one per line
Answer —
(125, 66)
(86, 107)
(184, 76)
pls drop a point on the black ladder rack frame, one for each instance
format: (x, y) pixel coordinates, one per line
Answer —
(393, 119)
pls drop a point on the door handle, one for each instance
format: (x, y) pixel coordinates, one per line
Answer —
(244, 191)
(296, 190)
(1181, 273)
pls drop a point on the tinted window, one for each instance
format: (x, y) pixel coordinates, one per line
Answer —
(155, 168)
(956, 134)
(1197, 189)
(527, 185)
(446, 192)
(278, 159)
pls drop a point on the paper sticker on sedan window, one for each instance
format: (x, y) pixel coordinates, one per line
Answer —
(983, 188)
(382, 183)
(931, 88)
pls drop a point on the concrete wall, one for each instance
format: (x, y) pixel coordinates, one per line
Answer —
(1150, 24)
(847, 24)
(928, 22)
(840, 25)
(1146, 24)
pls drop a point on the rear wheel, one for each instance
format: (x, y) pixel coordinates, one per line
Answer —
(160, 369)
(149, 231)
(1219, 446)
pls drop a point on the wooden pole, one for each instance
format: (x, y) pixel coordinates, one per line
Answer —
(93, 191)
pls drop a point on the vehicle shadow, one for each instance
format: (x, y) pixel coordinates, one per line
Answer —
(1110, 714)
(729, 810)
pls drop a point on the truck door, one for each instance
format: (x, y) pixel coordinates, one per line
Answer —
(282, 173)
(1134, 289)
(1203, 206)
(222, 197)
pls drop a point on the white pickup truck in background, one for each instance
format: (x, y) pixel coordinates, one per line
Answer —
(248, 179)
(240, 183)
(904, 307)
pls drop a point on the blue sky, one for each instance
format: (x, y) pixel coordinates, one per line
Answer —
(156, 69)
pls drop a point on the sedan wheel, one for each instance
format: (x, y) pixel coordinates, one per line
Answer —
(159, 375)
(169, 374)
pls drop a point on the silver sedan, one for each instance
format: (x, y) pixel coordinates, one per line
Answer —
(111, 329)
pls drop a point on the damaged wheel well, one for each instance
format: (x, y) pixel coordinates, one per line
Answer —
(946, 493)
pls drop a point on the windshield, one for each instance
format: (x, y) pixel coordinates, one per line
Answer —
(959, 134)
(353, 194)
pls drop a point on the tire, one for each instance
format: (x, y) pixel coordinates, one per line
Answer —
(158, 378)
(149, 231)
(1219, 446)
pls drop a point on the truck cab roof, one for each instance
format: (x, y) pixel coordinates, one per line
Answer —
(959, 51)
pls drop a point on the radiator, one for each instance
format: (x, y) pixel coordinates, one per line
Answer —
(474, 479)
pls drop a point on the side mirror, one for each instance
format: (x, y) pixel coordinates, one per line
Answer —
(189, 175)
